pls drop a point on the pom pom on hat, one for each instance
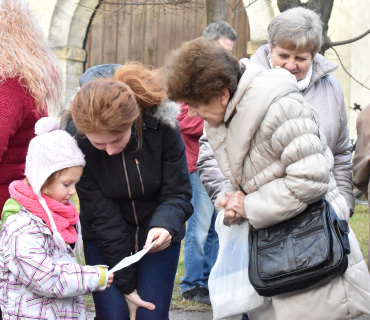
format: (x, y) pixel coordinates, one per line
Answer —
(50, 151)
(46, 125)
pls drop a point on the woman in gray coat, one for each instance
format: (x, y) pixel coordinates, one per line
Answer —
(290, 35)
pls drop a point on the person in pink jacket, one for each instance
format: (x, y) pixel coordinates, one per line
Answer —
(40, 277)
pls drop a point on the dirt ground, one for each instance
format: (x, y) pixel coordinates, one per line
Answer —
(207, 315)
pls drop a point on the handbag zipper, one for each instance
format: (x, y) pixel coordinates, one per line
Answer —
(141, 180)
(281, 243)
(298, 235)
(133, 204)
(275, 244)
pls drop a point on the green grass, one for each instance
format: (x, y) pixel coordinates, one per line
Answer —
(177, 302)
(359, 224)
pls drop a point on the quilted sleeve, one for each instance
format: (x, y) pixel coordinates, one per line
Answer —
(209, 172)
(301, 147)
(342, 152)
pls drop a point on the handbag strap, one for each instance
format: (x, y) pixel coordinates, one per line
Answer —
(242, 190)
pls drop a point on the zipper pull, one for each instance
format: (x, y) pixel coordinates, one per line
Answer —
(141, 179)
(282, 245)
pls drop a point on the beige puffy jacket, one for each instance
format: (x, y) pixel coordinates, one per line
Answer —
(271, 146)
(325, 96)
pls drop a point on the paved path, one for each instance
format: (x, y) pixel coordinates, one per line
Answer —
(207, 315)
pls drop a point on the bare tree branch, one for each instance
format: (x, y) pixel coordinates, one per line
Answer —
(340, 43)
(341, 63)
(240, 10)
(234, 8)
(228, 3)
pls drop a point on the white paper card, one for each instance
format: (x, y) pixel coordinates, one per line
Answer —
(125, 262)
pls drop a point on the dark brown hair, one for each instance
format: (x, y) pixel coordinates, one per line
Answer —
(104, 106)
(198, 71)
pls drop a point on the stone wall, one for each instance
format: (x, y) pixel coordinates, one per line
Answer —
(65, 23)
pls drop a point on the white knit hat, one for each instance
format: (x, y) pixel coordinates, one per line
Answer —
(50, 151)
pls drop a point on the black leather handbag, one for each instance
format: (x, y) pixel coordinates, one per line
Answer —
(300, 252)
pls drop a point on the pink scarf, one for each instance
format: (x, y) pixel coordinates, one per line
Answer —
(65, 215)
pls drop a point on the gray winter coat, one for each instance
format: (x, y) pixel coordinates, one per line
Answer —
(325, 96)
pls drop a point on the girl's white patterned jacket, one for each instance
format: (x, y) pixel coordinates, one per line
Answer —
(37, 280)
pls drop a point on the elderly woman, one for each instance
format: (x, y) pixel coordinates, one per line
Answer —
(294, 39)
(266, 140)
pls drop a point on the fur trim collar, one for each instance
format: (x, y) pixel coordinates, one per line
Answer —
(167, 113)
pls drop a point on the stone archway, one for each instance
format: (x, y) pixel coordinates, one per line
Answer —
(64, 23)
(67, 33)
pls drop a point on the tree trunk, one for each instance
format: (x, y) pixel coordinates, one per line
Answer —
(322, 7)
(216, 11)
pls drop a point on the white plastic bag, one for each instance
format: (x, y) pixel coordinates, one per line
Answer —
(230, 291)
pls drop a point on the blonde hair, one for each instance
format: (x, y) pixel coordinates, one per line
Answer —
(24, 53)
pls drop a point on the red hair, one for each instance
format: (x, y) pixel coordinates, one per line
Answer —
(104, 106)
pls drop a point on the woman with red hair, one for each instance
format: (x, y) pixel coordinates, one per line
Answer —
(134, 189)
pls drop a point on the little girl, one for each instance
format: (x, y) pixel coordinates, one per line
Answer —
(39, 275)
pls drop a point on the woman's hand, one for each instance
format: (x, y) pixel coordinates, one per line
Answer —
(134, 302)
(110, 280)
(236, 203)
(226, 199)
(232, 217)
(234, 211)
(163, 239)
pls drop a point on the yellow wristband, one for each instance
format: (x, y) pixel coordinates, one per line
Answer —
(103, 275)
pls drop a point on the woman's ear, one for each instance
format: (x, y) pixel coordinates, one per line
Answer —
(224, 96)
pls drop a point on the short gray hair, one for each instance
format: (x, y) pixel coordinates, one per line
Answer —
(216, 30)
(296, 29)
